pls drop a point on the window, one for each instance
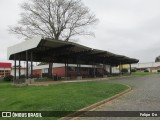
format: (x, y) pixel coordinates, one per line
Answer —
(45, 70)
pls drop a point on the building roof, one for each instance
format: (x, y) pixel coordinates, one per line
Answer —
(56, 51)
(5, 65)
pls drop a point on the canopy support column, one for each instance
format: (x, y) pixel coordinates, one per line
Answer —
(19, 67)
(26, 64)
(110, 70)
(120, 69)
(31, 64)
(103, 69)
(65, 71)
(14, 67)
(77, 68)
(94, 71)
(50, 70)
(130, 69)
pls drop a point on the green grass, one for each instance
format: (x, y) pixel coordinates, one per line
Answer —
(61, 97)
(143, 73)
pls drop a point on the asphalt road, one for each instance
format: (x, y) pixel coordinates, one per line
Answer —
(145, 96)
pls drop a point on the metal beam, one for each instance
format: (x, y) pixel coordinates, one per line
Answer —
(130, 69)
(45, 52)
(31, 64)
(65, 71)
(110, 70)
(19, 68)
(50, 70)
(120, 68)
(26, 64)
(77, 67)
(14, 67)
(94, 71)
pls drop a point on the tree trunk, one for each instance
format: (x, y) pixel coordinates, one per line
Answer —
(50, 70)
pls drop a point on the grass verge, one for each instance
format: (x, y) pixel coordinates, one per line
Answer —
(61, 97)
(144, 73)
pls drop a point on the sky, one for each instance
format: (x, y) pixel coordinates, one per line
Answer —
(125, 27)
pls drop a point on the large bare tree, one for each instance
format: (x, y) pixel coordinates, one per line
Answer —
(55, 19)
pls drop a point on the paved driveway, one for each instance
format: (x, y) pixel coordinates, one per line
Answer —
(145, 96)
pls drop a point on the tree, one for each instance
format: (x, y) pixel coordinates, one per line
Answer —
(157, 59)
(55, 19)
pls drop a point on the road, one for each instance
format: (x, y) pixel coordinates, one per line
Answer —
(145, 96)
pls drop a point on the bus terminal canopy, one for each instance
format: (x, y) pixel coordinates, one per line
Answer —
(56, 51)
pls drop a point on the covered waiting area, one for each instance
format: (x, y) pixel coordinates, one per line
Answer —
(56, 51)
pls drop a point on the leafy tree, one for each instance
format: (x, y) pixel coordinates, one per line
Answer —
(157, 59)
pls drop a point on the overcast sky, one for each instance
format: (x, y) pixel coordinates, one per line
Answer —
(126, 27)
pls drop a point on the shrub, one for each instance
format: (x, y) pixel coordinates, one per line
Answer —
(1, 78)
(22, 76)
(114, 74)
(133, 70)
(46, 75)
(124, 70)
(35, 76)
(57, 78)
(8, 78)
(158, 70)
(146, 70)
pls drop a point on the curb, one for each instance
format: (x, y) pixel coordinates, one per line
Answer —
(93, 106)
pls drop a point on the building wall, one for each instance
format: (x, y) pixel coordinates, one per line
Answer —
(59, 71)
(151, 66)
(37, 72)
(115, 70)
(23, 71)
(146, 65)
(5, 71)
(5, 68)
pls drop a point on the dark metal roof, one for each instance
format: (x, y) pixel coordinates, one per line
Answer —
(56, 51)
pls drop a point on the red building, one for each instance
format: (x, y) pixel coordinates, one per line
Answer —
(5, 68)
(59, 71)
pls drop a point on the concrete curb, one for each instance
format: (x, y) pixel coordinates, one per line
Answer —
(93, 106)
(76, 81)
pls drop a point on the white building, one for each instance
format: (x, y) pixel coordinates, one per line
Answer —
(151, 66)
(22, 72)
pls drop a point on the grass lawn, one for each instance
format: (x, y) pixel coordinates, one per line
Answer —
(144, 73)
(61, 97)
